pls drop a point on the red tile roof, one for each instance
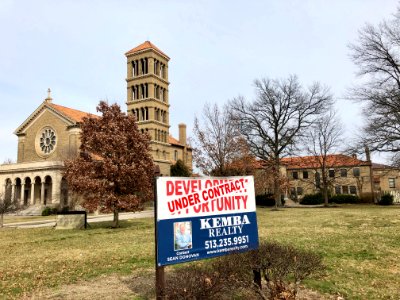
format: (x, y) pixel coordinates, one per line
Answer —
(381, 166)
(333, 160)
(146, 45)
(174, 141)
(71, 113)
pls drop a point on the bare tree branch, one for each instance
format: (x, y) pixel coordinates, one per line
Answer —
(278, 118)
(377, 56)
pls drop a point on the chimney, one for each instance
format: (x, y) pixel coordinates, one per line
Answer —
(367, 154)
(182, 134)
(354, 156)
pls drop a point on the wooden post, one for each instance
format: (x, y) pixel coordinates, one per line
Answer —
(160, 278)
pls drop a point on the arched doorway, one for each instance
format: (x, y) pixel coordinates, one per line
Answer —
(64, 192)
(27, 191)
(8, 189)
(37, 190)
(18, 188)
(48, 186)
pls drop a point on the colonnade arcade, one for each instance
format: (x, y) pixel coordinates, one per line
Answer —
(36, 190)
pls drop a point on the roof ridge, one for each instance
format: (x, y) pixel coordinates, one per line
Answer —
(144, 46)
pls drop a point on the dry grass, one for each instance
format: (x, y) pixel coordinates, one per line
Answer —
(360, 246)
(16, 219)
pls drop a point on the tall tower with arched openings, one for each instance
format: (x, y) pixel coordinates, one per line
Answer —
(147, 98)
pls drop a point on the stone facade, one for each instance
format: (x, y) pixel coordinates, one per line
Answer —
(51, 134)
(148, 99)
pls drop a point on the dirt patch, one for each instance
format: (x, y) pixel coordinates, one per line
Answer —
(137, 286)
(140, 285)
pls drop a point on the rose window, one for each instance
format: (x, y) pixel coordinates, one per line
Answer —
(47, 141)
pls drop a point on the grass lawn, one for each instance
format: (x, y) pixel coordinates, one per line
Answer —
(360, 246)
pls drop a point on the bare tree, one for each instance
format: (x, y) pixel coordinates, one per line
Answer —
(324, 138)
(277, 118)
(7, 205)
(8, 161)
(377, 56)
(217, 142)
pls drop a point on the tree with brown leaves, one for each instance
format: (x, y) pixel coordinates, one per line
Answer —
(114, 170)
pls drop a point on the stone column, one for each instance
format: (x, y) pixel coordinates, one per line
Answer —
(42, 193)
(13, 196)
(151, 65)
(32, 193)
(129, 70)
(151, 90)
(21, 200)
(56, 190)
(129, 94)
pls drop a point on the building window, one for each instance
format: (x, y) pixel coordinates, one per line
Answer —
(345, 189)
(305, 174)
(317, 180)
(353, 190)
(332, 173)
(299, 191)
(47, 140)
(356, 172)
(295, 175)
(176, 155)
(343, 172)
(392, 183)
(338, 190)
(293, 194)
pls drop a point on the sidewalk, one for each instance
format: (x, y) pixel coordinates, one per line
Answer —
(90, 219)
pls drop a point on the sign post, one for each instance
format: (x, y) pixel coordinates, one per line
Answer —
(160, 277)
(198, 218)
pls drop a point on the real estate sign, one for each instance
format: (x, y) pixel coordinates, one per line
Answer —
(200, 218)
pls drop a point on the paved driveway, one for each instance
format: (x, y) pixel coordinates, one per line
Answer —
(91, 219)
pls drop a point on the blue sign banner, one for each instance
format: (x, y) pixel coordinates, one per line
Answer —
(204, 218)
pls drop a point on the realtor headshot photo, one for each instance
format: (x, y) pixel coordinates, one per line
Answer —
(182, 235)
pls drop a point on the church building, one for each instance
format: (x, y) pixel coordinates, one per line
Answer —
(51, 134)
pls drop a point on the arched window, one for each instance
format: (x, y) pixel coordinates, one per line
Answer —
(176, 155)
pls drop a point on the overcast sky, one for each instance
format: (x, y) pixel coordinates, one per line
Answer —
(217, 49)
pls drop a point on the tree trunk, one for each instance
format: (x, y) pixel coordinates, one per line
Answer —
(115, 220)
(277, 190)
(257, 277)
(325, 188)
(326, 200)
(1, 220)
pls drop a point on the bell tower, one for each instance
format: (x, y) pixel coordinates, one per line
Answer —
(147, 98)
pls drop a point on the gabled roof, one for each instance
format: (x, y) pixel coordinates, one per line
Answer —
(174, 141)
(381, 166)
(333, 160)
(145, 46)
(71, 116)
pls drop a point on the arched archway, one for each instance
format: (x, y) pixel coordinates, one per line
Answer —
(18, 189)
(64, 192)
(37, 190)
(8, 189)
(48, 189)
(27, 191)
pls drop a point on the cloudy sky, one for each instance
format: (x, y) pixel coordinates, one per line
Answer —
(217, 49)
